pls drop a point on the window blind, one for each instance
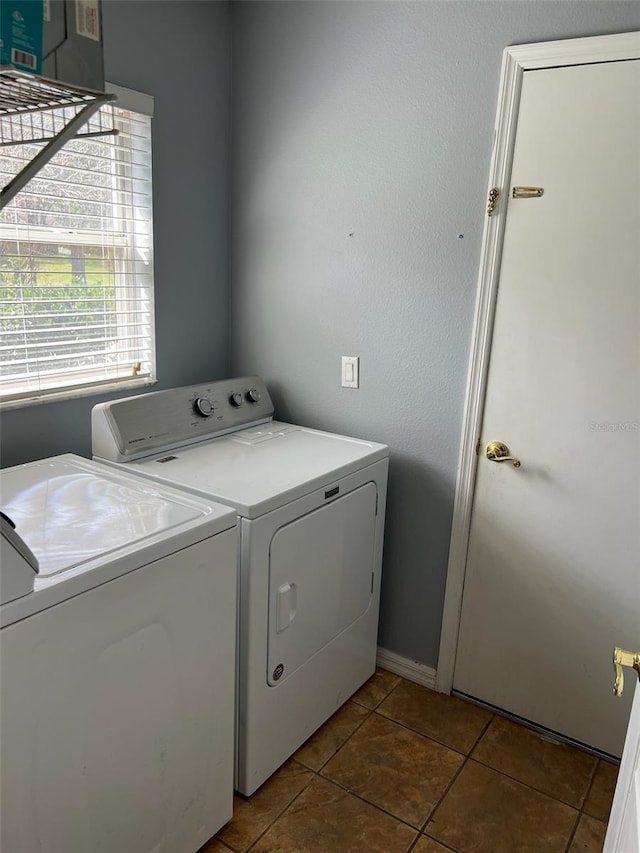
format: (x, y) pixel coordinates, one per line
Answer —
(76, 266)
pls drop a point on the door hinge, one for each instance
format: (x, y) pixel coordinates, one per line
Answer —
(372, 576)
(376, 503)
(491, 202)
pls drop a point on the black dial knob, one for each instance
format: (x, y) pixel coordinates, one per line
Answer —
(253, 396)
(203, 406)
(236, 399)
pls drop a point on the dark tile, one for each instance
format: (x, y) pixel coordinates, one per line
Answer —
(327, 819)
(214, 846)
(327, 740)
(558, 770)
(600, 797)
(394, 768)
(376, 689)
(487, 812)
(589, 837)
(444, 718)
(428, 845)
(252, 815)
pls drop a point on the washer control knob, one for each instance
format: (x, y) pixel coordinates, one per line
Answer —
(253, 396)
(203, 406)
(236, 399)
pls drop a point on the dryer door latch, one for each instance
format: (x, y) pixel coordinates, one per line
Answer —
(286, 603)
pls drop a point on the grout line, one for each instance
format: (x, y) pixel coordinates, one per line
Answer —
(400, 681)
(421, 826)
(282, 811)
(573, 834)
(378, 808)
(590, 786)
(422, 734)
(482, 734)
(529, 785)
(513, 779)
(444, 793)
(336, 751)
(585, 796)
(413, 844)
(357, 728)
(377, 705)
(342, 788)
(526, 785)
(444, 845)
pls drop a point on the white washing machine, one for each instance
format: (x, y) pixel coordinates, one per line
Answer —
(117, 662)
(311, 518)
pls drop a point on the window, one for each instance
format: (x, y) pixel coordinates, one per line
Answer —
(76, 263)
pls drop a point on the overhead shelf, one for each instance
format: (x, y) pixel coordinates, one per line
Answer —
(35, 110)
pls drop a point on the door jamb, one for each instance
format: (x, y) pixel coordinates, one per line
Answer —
(515, 61)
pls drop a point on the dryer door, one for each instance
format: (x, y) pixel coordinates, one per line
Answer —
(320, 578)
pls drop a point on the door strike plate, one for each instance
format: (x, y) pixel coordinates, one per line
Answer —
(527, 192)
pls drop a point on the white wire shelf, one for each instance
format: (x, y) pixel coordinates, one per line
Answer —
(24, 92)
(34, 110)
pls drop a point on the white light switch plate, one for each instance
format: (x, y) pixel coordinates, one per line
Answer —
(350, 371)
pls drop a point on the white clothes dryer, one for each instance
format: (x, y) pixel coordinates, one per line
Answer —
(311, 510)
(117, 662)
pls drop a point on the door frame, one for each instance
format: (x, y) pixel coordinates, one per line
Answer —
(515, 61)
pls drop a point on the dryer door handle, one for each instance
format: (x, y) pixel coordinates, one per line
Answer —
(286, 604)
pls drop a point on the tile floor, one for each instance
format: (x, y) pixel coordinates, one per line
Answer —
(401, 768)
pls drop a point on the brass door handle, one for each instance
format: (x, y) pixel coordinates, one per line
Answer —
(620, 659)
(498, 452)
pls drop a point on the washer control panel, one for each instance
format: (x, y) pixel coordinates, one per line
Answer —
(134, 427)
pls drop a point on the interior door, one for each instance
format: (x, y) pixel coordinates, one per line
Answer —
(551, 580)
(623, 829)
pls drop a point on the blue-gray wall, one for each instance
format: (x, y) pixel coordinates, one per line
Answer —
(180, 52)
(361, 146)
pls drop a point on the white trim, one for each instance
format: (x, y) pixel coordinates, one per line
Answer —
(515, 61)
(547, 54)
(129, 99)
(409, 669)
(69, 393)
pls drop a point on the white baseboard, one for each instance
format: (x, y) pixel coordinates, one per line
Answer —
(409, 669)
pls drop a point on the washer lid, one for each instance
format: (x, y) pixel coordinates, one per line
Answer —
(77, 514)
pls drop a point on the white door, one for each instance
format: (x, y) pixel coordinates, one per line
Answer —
(551, 581)
(623, 830)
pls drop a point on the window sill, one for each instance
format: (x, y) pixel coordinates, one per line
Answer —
(71, 393)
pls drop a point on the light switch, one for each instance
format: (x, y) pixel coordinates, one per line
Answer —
(350, 371)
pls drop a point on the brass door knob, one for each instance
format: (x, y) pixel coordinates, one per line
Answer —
(497, 451)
